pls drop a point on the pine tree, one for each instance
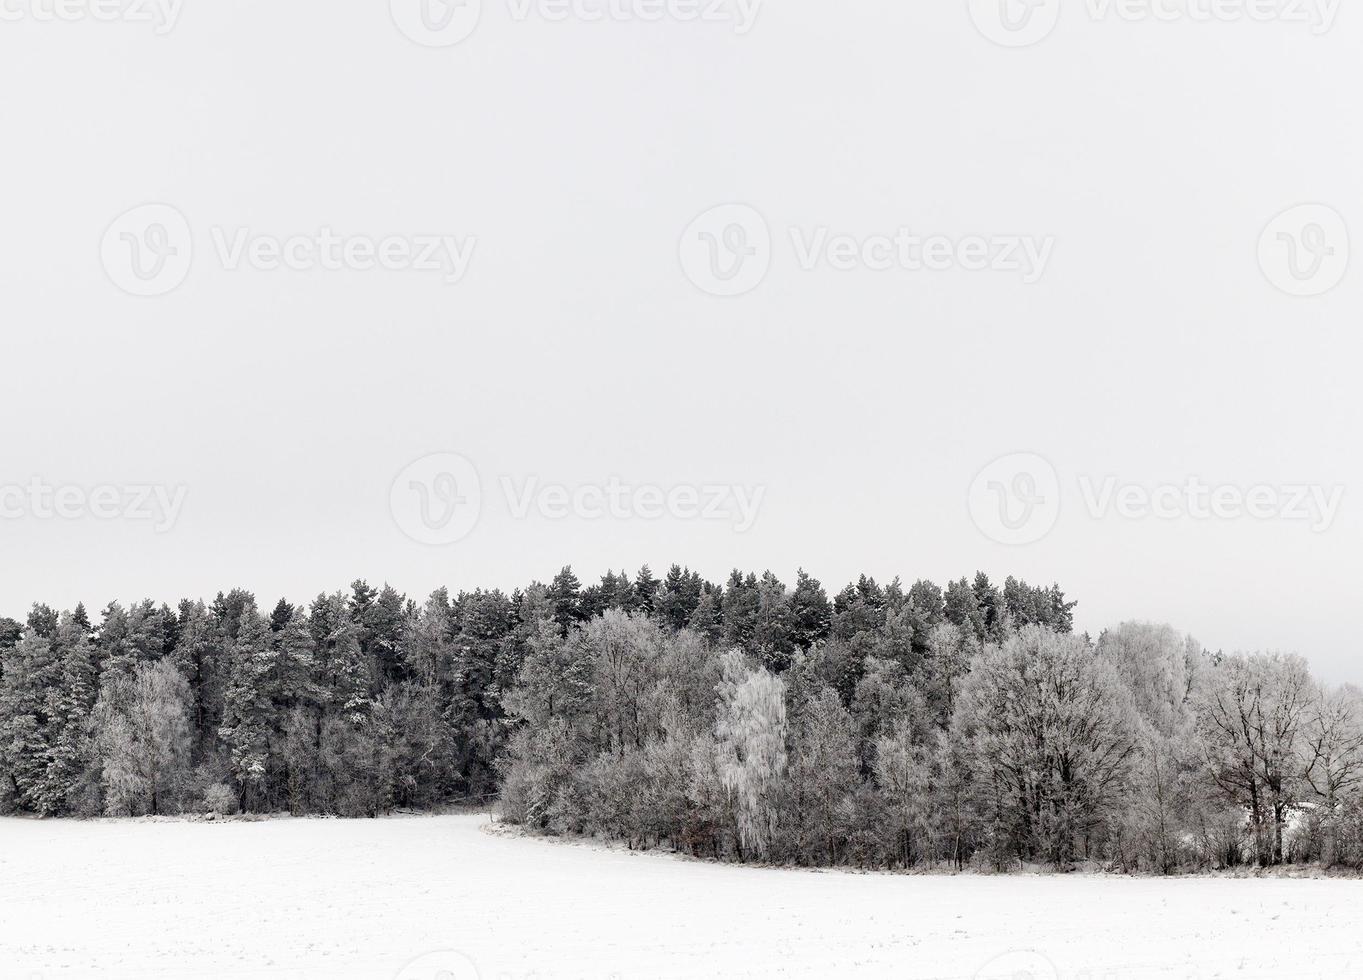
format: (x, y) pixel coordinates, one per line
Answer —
(247, 709)
(26, 735)
(69, 703)
(772, 622)
(678, 597)
(565, 598)
(739, 607)
(283, 613)
(708, 618)
(645, 590)
(344, 675)
(290, 681)
(811, 613)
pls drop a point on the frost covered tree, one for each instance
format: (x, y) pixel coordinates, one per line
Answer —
(624, 650)
(248, 708)
(1253, 718)
(66, 786)
(903, 777)
(32, 669)
(1333, 762)
(750, 745)
(888, 726)
(1051, 730)
(823, 779)
(142, 738)
(1162, 670)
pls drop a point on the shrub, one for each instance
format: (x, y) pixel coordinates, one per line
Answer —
(220, 799)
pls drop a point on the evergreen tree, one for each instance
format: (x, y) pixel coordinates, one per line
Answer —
(811, 612)
(645, 590)
(281, 616)
(565, 598)
(962, 608)
(69, 703)
(678, 597)
(32, 669)
(708, 618)
(201, 656)
(739, 607)
(247, 707)
(771, 639)
(290, 682)
(343, 674)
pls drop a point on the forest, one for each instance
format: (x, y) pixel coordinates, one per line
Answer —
(882, 727)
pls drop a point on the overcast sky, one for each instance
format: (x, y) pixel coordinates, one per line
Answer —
(1108, 294)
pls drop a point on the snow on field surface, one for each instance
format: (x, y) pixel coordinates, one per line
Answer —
(332, 898)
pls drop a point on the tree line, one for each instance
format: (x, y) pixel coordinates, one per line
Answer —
(746, 720)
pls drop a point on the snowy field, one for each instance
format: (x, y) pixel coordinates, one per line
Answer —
(330, 898)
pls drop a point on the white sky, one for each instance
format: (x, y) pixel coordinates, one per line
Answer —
(575, 349)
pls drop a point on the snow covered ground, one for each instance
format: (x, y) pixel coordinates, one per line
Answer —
(331, 898)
